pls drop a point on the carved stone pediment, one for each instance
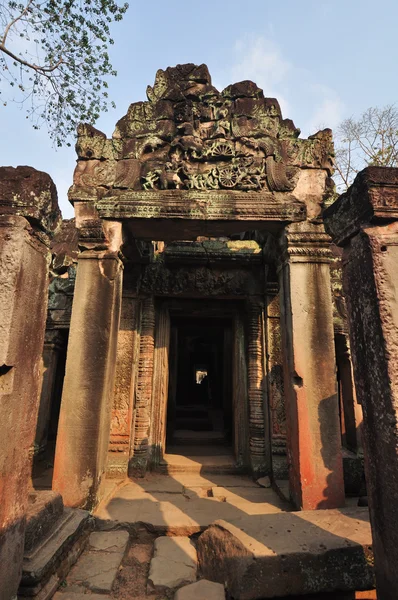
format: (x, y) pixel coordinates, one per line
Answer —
(190, 136)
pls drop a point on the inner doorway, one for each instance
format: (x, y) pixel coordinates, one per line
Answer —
(199, 415)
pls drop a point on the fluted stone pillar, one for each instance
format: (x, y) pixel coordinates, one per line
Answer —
(312, 414)
(364, 221)
(84, 421)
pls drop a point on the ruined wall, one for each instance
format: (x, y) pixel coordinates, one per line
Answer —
(29, 214)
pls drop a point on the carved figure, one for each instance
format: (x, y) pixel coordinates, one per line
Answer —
(189, 135)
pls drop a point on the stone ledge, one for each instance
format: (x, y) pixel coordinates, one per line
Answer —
(44, 559)
(371, 198)
(321, 551)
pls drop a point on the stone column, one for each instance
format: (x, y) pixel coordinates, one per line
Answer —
(143, 393)
(28, 213)
(255, 369)
(313, 429)
(52, 345)
(84, 421)
(365, 222)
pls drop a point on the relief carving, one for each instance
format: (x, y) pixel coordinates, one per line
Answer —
(190, 136)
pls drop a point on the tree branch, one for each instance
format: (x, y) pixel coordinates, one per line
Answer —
(12, 23)
(39, 69)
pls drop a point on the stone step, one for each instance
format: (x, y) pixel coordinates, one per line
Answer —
(222, 463)
(44, 509)
(54, 555)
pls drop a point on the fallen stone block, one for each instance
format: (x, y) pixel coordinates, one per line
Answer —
(174, 563)
(201, 590)
(285, 554)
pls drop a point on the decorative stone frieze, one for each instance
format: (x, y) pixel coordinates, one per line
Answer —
(143, 394)
(188, 135)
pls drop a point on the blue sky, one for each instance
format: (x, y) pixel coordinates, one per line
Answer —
(324, 61)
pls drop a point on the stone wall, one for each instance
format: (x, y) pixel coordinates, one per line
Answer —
(29, 215)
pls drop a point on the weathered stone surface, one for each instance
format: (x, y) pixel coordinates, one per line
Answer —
(43, 510)
(373, 196)
(24, 259)
(64, 247)
(96, 571)
(174, 562)
(312, 412)
(46, 558)
(319, 551)
(112, 541)
(211, 281)
(122, 408)
(83, 430)
(29, 193)
(365, 222)
(97, 568)
(201, 590)
(189, 136)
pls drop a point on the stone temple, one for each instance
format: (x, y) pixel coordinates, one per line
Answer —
(196, 326)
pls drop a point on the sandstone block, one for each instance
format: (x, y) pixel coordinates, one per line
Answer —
(289, 553)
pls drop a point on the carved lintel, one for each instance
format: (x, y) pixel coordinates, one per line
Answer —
(255, 387)
(143, 393)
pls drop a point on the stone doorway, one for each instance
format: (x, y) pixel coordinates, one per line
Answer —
(199, 414)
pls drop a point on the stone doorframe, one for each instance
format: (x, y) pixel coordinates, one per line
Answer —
(106, 230)
(240, 387)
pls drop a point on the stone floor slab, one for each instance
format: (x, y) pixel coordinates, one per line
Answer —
(96, 571)
(97, 568)
(187, 509)
(111, 541)
(201, 590)
(174, 563)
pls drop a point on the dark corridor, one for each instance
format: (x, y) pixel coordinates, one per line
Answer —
(199, 404)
